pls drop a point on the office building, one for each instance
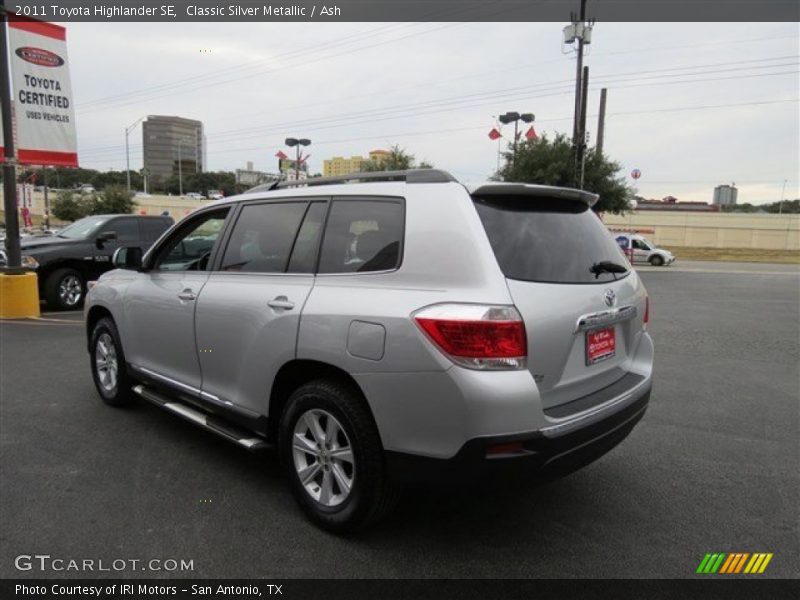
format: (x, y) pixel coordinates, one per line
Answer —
(338, 165)
(725, 195)
(170, 141)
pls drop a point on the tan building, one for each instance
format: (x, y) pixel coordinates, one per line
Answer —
(338, 165)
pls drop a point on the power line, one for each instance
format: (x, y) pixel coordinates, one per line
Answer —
(449, 103)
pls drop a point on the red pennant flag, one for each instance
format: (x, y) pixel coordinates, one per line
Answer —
(281, 155)
(531, 134)
(494, 134)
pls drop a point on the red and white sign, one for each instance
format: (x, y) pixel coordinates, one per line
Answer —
(42, 94)
(600, 345)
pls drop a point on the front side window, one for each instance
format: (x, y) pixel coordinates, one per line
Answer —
(189, 248)
(83, 228)
(362, 236)
(262, 239)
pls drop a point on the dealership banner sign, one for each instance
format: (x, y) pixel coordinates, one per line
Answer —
(42, 95)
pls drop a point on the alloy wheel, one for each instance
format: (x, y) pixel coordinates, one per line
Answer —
(323, 457)
(105, 357)
(70, 290)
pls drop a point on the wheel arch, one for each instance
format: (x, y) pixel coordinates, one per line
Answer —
(63, 263)
(95, 313)
(297, 372)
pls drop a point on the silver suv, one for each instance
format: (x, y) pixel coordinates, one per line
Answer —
(383, 328)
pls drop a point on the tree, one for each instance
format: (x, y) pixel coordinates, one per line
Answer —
(69, 206)
(397, 160)
(114, 199)
(552, 162)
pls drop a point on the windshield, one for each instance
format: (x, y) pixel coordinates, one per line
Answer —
(83, 228)
(546, 240)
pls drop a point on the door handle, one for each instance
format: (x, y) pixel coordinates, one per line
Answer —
(187, 295)
(281, 302)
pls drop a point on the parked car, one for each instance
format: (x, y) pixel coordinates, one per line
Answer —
(195, 196)
(642, 250)
(381, 329)
(81, 252)
(86, 188)
(215, 195)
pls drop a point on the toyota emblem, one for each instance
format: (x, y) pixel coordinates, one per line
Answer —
(610, 297)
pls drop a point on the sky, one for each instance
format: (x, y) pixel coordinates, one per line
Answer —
(690, 105)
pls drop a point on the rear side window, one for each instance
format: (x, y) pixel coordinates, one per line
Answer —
(126, 228)
(153, 228)
(362, 236)
(263, 237)
(554, 241)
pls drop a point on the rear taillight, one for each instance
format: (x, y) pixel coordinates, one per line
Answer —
(646, 319)
(476, 335)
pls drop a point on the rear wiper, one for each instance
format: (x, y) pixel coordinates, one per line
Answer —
(607, 266)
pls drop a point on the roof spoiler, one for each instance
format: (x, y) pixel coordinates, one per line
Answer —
(409, 176)
(535, 191)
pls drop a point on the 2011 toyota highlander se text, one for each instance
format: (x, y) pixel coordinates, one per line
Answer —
(383, 328)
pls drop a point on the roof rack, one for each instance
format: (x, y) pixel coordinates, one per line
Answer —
(409, 176)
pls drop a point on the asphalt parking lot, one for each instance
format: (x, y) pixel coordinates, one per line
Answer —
(713, 467)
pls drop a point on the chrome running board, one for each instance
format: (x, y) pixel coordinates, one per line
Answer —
(212, 423)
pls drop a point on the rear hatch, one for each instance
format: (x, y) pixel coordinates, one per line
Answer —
(581, 320)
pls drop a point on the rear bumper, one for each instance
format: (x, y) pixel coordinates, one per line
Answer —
(549, 452)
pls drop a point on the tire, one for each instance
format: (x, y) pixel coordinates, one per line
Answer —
(65, 289)
(113, 384)
(657, 261)
(370, 495)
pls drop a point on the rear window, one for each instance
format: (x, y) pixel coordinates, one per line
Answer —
(555, 241)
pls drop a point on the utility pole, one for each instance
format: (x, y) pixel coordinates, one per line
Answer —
(13, 253)
(582, 139)
(578, 71)
(601, 122)
(579, 31)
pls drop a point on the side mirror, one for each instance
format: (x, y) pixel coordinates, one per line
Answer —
(127, 258)
(105, 237)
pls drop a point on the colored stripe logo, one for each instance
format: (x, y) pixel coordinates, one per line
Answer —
(734, 562)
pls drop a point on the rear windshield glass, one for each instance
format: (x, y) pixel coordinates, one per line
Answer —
(555, 241)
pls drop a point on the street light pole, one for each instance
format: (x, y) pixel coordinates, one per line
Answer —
(128, 130)
(783, 193)
(292, 142)
(180, 169)
(515, 117)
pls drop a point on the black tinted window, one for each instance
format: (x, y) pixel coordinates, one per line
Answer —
(304, 253)
(263, 237)
(153, 228)
(362, 235)
(552, 241)
(127, 229)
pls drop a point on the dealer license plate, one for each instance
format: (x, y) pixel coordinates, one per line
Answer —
(601, 344)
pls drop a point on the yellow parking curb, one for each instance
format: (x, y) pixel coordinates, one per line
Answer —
(19, 296)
